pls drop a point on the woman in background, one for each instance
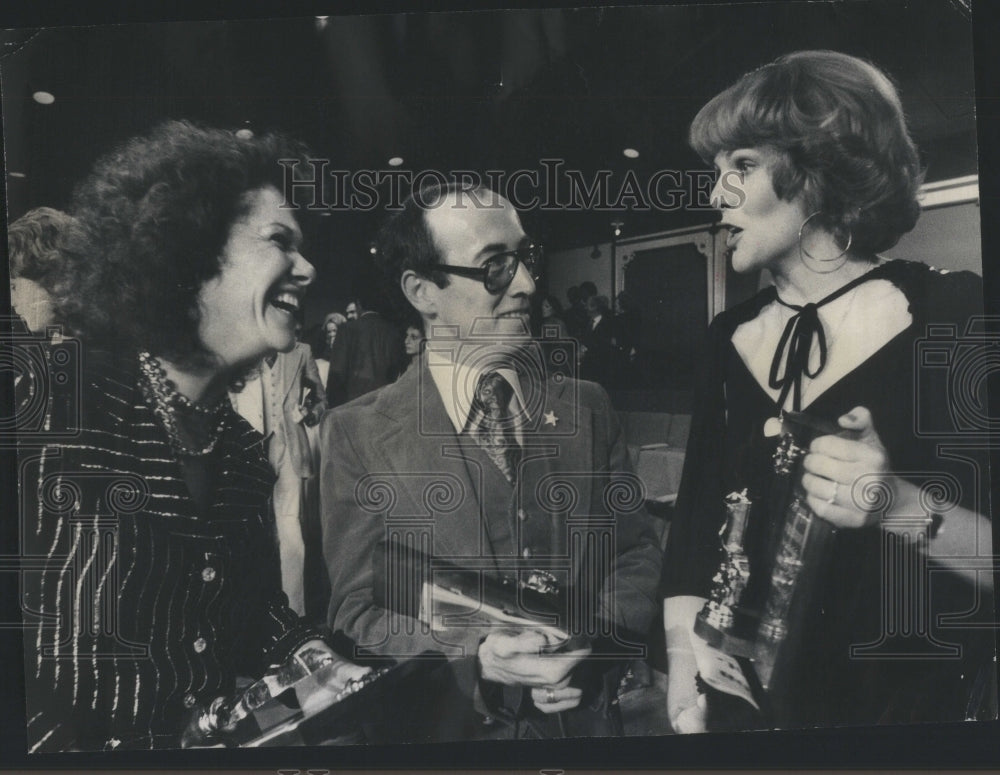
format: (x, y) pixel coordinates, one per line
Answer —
(817, 175)
(328, 334)
(551, 314)
(35, 258)
(160, 581)
(412, 341)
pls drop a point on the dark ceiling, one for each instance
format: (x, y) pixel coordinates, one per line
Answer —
(499, 90)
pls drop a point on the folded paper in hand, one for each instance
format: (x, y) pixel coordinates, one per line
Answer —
(444, 608)
(457, 598)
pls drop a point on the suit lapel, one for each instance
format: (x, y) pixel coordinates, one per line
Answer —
(424, 460)
(563, 457)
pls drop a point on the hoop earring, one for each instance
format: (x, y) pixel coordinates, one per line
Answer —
(804, 254)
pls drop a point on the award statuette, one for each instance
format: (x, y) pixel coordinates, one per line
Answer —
(294, 706)
(720, 622)
(726, 632)
(745, 652)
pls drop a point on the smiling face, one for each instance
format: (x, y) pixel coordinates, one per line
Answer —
(352, 311)
(468, 235)
(764, 229)
(248, 309)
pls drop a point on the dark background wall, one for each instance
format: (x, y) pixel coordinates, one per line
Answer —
(448, 91)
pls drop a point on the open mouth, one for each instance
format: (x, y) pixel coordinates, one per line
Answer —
(286, 302)
(733, 237)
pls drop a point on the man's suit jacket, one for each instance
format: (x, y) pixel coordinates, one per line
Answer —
(367, 354)
(600, 360)
(393, 465)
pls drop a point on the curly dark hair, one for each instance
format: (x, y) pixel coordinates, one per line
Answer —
(155, 215)
(837, 124)
(34, 244)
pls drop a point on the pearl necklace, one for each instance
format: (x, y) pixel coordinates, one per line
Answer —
(166, 401)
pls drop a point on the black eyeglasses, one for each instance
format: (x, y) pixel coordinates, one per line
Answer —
(498, 272)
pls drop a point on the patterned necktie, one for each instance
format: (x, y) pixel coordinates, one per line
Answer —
(491, 426)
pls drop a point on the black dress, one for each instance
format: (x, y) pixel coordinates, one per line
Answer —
(728, 451)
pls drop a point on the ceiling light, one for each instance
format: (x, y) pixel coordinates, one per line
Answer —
(631, 153)
(43, 97)
(17, 174)
(395, 161)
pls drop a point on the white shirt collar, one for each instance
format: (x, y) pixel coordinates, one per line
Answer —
(456, 383)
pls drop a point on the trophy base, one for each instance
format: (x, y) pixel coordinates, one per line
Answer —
(734, 635)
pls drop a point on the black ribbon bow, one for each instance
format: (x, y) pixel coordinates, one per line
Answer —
(791, 357)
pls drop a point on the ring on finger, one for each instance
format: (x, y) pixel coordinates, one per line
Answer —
(833, 495)
(550, 696)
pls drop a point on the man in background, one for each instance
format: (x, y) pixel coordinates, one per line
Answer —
(367, 354)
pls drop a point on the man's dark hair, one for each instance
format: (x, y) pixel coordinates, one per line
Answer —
(404, 242)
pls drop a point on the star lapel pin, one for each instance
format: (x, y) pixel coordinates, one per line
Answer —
(551, 419)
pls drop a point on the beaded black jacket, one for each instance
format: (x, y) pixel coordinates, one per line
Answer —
(137, 605)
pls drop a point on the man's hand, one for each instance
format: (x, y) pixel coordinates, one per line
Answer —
(519, 659)
(554, 699)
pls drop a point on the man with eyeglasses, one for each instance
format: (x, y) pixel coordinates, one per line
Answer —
(476, 458)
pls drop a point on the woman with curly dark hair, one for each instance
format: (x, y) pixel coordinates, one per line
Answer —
(817, 175)
(158, 579)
